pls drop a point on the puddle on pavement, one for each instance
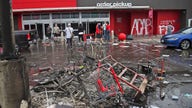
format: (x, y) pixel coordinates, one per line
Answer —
(58, 57)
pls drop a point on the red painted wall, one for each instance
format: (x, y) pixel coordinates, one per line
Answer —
(24, 4)
(164, 17)
(154, 23)
(17, 21)
(20, 22)
(140, 23)
(120, 21)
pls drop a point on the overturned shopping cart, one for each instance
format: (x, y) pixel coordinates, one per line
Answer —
(129, 82)
(114, 80)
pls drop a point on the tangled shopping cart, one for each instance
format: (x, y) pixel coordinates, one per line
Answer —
(113, 80)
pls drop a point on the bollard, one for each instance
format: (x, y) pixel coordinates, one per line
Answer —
(62, 36)
(112, 36)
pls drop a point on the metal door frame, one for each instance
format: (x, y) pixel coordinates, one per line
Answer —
(190, 22)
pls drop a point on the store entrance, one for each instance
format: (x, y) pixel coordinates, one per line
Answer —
(90, 27)
(40, 30)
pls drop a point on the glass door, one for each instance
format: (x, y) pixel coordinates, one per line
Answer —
(40, 30)
(86, 25)
(44, 30)
(75, 28)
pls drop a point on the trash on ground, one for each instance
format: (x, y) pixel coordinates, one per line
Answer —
(153, 106)
(124, 46)
(188, 95)
(165, 82)
(115, 44)
(165, 55)
(107, 82)
(174, 97)
(186, 75)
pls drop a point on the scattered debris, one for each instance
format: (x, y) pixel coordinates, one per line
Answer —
(45, 69)
(111, 82)
(174, 97)
(129, 37)
(124, 46)
(165, 55)
(115, 44)
(188, 95)
(59, 106)
(165, 82)
(159, 46)
(153, 106)
(98, 81)
(178, 50)
(186, 75)
(80, 83)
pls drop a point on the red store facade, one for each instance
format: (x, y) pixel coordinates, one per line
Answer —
(136, 17)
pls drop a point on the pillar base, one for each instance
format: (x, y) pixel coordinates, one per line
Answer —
(14, 83)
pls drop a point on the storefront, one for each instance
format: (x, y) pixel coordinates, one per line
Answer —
(130, 17)
(139, 22)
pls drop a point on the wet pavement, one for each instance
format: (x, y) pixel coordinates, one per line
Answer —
(176, 87)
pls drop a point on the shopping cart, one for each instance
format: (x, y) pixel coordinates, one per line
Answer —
(103, 88)
(126, 79)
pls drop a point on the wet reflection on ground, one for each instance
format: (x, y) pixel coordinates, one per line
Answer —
(178, 64)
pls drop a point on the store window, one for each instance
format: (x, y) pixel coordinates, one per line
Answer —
(65, 15)
(32, 26)
(35, 16)
(86, 15)
(104, 15)
(26, 27)
(44, 16)
(56, 16)
(75, 15)
(94, 15)
(27, 17)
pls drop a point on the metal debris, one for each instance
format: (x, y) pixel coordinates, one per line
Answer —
(96, 81)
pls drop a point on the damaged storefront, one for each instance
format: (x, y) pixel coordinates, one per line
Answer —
(139, 22)
(136, 18)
